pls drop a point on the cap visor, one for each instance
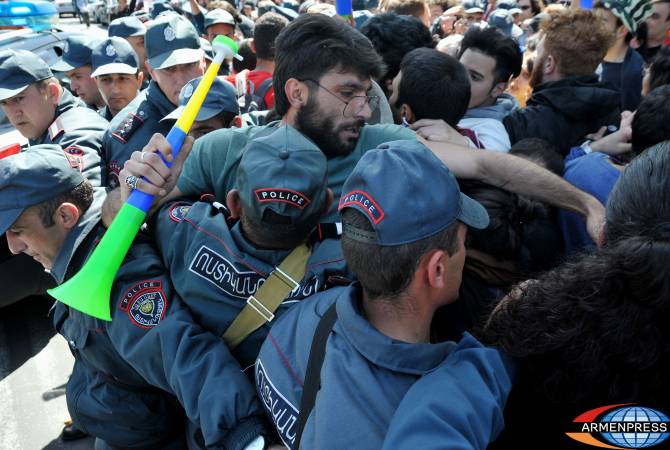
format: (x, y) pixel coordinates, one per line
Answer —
(203, 114)
(6, 93)
(174, 115)
(473, 10)
(179, 56)
(114, 68)
(62, 66)
(473, 213)
(8, 217)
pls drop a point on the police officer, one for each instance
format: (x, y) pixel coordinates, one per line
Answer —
(219, 22)
(220, 264)
(45, 113)
(124, 369)
(76, 63)
(174, 58)
(219, 110)
(116, 72)
(404, 240)
(132, 30)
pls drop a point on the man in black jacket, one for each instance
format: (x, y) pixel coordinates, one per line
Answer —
(568, 101)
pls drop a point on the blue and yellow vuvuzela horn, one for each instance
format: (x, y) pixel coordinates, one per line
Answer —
(89, 290)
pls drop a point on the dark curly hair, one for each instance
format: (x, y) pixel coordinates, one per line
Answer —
(594, 328)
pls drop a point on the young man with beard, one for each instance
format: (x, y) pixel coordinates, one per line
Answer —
(568, 101)
(323, 73)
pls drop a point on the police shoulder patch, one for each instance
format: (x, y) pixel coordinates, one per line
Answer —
(75, 157)
(363, 202)
(127, 127)
(145, 303)
(178, 211)
(56, 129)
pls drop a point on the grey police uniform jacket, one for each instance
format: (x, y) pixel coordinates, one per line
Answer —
(215, 269)
(364, 377)
(79, 131)
(132, 127)
(126, 369)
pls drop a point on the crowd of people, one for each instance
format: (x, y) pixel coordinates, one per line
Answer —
(415, 224)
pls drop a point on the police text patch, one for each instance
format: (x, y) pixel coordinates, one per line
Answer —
(178, 211)
(289, 196)
(223, 274)
(283, 413)
(145, 303)
(363, 202)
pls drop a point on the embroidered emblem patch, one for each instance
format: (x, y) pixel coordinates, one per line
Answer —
(75, 157)
(294, 198)
(223, 274)
(56, 129)
(363, 202)
(110, 50)
(145, 303)
(169, 34)
(178, 211)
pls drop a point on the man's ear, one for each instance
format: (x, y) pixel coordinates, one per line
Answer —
(54, 92)
(67, 215)
(252, 45)
(140, 79)
(150, 70)
(296, 92)
(436, 269)
(550, 65)
(234, 203)
(407, 113)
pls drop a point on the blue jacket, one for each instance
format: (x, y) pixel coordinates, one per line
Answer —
(215, 268)
(364, 376)
(126, 369)
(457, 406)
(132, 128)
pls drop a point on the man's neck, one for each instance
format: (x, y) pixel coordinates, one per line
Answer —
(404, 318)
(617, 52)
(264, 65)
(651, 42)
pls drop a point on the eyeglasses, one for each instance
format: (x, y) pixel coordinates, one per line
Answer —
(354, 106)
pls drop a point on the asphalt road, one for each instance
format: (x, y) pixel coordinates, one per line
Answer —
(35, 362)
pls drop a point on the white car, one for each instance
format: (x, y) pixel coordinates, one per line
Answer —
(66, 7)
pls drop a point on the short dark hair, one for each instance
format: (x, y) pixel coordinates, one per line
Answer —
(249, 61)
(266, 29)
(406, 7)
(275, 230)
(491, 42)
(650, 123)
(81, 196)
(638, 204)
(386, 271)
(394, 36)
(313, 44)
(435, 85)
(659, 70)
(541, 152)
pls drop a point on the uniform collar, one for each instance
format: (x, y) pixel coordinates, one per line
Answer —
(379, 349)
(270, 257)
(74, 239)
(159, 100)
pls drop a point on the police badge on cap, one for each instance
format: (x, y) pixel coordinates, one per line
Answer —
(169, 34)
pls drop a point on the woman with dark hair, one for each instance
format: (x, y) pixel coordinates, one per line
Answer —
(658, 73)
(594, 332)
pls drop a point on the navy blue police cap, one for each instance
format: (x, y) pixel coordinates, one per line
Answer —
(32, 177)
(18, 70)
(407, 194)
(124, 27)
(172, 40)
(283, 172)
(221, 97)
(77, 52)
(114, 55)
(217, 16)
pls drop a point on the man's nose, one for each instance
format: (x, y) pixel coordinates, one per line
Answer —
(15, 245)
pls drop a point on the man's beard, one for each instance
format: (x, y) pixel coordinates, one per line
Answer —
(321, 129)
(537, 74)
